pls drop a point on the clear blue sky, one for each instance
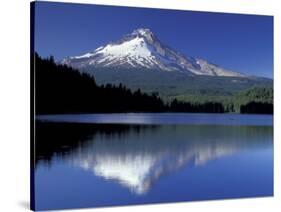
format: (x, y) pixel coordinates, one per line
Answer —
(241, 43)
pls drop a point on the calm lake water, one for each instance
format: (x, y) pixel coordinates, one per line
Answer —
(119, 159)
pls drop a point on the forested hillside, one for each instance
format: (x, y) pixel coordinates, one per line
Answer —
(62, 89)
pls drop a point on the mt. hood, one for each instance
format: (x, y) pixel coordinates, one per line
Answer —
(143, 50)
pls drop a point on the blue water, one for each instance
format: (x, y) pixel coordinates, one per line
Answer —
(161, 158)
(163, 118)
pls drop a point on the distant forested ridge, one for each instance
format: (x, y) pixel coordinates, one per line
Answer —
(255, 100)
(62, 89)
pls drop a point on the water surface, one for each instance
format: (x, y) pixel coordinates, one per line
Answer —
(163, 118)
(93, 164)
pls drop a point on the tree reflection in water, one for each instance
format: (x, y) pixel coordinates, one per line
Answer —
(135, 156)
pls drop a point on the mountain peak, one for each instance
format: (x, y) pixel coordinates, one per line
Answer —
(143, 50)
(143, 32)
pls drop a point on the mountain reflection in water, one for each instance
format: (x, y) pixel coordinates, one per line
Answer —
(135, 156)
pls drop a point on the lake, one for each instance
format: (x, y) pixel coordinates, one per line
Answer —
(95, 160)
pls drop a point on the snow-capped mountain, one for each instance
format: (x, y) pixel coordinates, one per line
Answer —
(143, 50)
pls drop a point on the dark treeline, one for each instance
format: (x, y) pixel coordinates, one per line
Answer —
(62, 89)
(207, 107)
(257, 108)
